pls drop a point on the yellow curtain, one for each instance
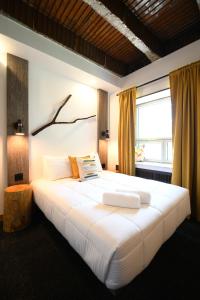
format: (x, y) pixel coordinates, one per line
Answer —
(185, 94)
(126, 131)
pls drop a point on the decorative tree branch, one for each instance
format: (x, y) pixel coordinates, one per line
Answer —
(59, 109)
(53, 122)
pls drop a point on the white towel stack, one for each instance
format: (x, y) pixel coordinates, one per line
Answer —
(122, 199)
(127, 198)
(145, 197)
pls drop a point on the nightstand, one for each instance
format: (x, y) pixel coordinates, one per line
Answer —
(17, 207)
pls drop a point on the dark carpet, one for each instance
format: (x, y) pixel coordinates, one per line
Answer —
(38, 263)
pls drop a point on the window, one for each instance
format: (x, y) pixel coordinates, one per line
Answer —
(154, 127)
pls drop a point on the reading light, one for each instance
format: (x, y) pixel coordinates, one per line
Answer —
(19, 128)
(105, 134)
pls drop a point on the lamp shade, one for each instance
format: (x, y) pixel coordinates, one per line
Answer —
(105, 134)
(19, 128)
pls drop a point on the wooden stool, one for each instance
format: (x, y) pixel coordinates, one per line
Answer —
(17, 207)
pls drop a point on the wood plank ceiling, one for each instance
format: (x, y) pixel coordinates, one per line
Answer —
(120, 35)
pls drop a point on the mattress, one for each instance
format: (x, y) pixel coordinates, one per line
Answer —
(116, 243)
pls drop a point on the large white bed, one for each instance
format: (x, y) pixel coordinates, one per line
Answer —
(117, 243)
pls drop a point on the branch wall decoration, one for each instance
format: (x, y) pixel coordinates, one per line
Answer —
(54, 122)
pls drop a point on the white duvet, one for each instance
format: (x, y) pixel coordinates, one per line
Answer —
(116, 243)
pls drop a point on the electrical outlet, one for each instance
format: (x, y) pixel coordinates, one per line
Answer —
(18, 176)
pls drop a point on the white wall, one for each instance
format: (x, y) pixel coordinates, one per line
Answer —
(46, 92)
(163, 66)
(3, 174)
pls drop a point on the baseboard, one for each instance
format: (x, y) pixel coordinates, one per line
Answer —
(1, 218)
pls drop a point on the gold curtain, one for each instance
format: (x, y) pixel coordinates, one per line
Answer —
(185, 94)
(126, 132)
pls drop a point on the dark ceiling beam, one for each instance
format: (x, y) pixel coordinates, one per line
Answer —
(122, 18)
(42, 24)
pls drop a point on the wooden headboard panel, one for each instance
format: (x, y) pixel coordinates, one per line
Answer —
(17, 108)
(102, 126)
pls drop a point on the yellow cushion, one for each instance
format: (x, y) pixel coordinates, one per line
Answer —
(74, 166)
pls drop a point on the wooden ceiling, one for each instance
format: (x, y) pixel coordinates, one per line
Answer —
(120, 35)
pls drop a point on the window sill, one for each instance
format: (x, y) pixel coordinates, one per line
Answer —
(154, 166)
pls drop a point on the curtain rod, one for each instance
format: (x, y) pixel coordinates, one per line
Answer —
(150, 81)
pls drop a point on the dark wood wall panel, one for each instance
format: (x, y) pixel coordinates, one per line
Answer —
(17, 92)
(103, 153)
(17, 159)
(102, 114)
(17, 108)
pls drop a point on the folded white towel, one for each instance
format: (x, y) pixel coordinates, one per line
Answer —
(145, 197)
(122, 199)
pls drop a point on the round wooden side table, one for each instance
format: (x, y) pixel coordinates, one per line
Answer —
(17, 207)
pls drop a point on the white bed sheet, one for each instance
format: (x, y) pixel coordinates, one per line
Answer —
(116, 243)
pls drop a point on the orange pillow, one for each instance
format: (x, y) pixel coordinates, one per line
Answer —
(74, 165)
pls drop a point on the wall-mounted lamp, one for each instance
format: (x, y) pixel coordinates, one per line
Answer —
(19, 128)
(105, 134)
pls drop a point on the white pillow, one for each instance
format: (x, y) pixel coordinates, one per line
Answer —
(56, 167)
(98, 162)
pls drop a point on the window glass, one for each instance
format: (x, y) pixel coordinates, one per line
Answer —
(154, 127)
(152, 151)
(154, 119)
(169, 151)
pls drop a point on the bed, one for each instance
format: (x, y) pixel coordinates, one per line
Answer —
(116, 243)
